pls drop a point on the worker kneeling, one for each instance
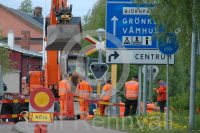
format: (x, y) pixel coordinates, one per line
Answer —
(105, 95)
(64, 87)
(84, 91)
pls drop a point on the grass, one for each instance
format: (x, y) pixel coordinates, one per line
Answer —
(154, 122)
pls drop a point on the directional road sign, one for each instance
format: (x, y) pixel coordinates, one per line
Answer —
(137, 57)
(132, 26)
(168, 44)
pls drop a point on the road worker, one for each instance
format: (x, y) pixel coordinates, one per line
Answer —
(64, 87)
(105, 95)
(84, 91)
(122, 108)
(92, 108)
(74, 76)
(150, 106)
(161, 94)
(131, 94)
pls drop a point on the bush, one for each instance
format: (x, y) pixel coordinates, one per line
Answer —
(181, 102)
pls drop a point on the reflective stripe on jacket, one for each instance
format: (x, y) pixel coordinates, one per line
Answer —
(84, 90)
(131, 89)
(64, 86)
(108, 94)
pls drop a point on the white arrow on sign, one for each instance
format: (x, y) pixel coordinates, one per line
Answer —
(154, 71)
(114, 19)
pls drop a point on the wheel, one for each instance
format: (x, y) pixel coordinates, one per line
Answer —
(10, 108)
(56, 109)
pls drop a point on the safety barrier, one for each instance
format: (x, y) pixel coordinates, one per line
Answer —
(61, 99)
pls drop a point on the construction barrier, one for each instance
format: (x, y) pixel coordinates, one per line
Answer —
(65, 114)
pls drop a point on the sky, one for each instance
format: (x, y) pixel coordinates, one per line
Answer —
(80, 7)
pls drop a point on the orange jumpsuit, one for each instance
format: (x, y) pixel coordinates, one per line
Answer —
(106, 97)
(64, 87)
(84, 91)
(122, 108)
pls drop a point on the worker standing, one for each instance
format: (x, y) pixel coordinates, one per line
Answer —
(84, 91)
(131, 94)
(105, 95)
(64, 87)
(161, 94)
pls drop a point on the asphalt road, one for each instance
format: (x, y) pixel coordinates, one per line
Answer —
(74, 126)
(8, 128)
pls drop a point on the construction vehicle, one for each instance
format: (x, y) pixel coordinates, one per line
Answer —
(63, 37)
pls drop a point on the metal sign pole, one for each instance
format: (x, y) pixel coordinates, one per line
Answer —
(150, 84)
(145, 90)
(140, 88)
(167, 93)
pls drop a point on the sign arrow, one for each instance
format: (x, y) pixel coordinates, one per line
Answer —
(115, 56)
(114, 19)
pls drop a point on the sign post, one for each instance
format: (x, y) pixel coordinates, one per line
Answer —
(41, 109)
(168, 45)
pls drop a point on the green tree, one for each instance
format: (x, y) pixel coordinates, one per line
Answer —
(26, 6)
(5, 62)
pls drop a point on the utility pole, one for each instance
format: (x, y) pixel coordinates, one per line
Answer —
(193, 74)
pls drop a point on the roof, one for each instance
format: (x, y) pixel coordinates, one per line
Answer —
(24, 51)
(37, 21)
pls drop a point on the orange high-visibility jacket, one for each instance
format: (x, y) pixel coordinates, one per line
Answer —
(131, 89)
(64, 87)
(122, 108)
(84, 90)
(150, 107)
(108, 89)
(161, 92)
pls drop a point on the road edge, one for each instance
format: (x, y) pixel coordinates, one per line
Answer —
(21, 129)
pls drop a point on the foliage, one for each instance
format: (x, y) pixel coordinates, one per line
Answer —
(5, 62)
(153, 122)
(26, 6)
(180, 102)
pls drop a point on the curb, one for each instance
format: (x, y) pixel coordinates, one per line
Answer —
(21, 129)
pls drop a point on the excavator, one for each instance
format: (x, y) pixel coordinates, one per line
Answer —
(63, 37)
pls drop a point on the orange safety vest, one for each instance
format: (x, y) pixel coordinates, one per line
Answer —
(150, 107)
(63, 89)
(108, 92)
(122, 108)
(132, 89)
(84, 90)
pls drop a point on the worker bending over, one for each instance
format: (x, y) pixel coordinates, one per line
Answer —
(105, 95)
(64, 87)
(84, 91)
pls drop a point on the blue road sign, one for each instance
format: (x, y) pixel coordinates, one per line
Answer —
(167, 44)
(131, 25)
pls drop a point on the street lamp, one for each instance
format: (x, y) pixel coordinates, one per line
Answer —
(100, 33)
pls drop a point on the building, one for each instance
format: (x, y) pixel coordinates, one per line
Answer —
(23, 56)
(18, 21)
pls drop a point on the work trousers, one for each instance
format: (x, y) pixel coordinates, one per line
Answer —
(62, 104)
(103, 106)
(84, 111)
(128, 105)
(162, 105)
